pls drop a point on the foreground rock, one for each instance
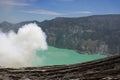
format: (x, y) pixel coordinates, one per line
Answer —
(102, 69)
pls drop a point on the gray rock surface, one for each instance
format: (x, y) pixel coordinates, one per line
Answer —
(102, 69)
(93, 34)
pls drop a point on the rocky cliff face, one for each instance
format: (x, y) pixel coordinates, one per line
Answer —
(94, 34)
(103, 69)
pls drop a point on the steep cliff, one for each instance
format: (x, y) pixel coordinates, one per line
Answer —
(93, 34)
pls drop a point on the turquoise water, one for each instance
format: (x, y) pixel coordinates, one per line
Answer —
(56, 56)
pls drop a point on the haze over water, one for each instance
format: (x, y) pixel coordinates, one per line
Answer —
(21, 50)
(56, 56)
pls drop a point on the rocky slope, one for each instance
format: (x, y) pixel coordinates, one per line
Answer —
(93, 34)
(102, 69)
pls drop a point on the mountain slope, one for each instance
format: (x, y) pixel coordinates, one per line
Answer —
(6, 26)
(93, 34)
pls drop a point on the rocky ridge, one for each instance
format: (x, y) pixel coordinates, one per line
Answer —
(93, 34)
(102, 69)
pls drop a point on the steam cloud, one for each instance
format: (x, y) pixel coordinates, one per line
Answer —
(18, 49)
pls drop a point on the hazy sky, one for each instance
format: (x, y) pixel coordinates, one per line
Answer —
(22, 10)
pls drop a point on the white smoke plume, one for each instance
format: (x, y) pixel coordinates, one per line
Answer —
(18, 49)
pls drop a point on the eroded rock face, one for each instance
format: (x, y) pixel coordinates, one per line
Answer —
(93, 34)
(102, 69)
